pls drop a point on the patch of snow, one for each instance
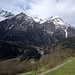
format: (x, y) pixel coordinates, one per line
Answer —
(2, 18)
(53, 17)
(58, 22)
(66, 34)
(11, 27)
(18, 16)
(49, 32)
(26, 19)
(5, 15)
(36, 19)
(41, 21)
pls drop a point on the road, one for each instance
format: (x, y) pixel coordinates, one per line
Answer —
(57, 67)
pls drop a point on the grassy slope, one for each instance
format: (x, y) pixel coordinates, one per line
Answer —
(67, 69)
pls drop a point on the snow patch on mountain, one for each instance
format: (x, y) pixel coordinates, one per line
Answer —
(36, 19)
(2, 18)
(5, 15)
(11, 26)
(58, 21)
(66, 34)
(49, 32)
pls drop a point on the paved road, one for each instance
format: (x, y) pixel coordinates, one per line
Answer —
(57, 67)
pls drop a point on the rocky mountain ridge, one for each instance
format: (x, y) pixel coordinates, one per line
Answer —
(5, 15)
(32, 31)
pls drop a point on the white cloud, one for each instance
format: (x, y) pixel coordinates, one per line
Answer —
(46, 8)
(42, 8)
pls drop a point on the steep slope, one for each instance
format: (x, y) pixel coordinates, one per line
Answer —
(58, 28)
(59, 23)
(24, 29)
(34, 31)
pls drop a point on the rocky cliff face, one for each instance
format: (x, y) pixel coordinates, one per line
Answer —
(58, 28)
(24, 29)
(34, 31)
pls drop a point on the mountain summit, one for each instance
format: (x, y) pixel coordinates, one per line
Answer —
(59, 23)
(5, 15)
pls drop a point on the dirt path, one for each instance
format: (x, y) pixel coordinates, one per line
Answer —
(57, 67)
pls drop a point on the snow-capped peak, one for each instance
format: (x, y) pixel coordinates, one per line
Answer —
(24, 17)
(59, 23)
(53, 17)
(36, 19)
(5, 15)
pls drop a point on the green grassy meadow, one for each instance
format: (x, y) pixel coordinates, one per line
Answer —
(67, 69)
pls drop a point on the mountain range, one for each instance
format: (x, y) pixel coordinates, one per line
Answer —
(33, 31)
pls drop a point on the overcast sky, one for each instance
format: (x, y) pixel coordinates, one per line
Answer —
(42, 8)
